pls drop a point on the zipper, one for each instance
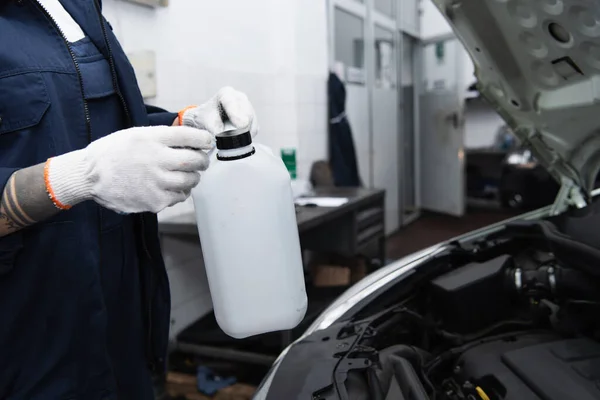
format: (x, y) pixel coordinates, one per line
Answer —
(86, 108)
(89, 136)
(147, 293)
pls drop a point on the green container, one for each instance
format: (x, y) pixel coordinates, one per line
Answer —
(289, 159)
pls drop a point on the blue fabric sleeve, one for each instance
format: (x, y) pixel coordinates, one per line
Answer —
(157, 116)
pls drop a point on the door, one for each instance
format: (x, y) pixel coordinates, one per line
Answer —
(364, 42)
(385, 123)
(409, 124)
(347, 22)
(442, 127)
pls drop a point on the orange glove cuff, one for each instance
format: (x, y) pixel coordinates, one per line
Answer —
(49, 189)
(180, 114)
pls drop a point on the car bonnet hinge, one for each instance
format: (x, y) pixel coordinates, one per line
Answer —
(569, 195)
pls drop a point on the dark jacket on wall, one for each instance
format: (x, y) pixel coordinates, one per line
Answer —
(342, 154)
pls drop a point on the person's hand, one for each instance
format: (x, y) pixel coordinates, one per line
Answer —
(131, 171)
(228, 106)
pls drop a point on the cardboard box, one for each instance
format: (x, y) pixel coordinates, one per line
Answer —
(330, 270)
(331, 275)
(181, 379)
(359, 271)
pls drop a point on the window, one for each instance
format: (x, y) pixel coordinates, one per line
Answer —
(350, 45)
(386, 7)
(385, 58)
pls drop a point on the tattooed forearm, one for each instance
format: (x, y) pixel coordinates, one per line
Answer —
(24, 200)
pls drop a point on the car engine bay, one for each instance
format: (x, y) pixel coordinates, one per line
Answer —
(512, 321)
(542, 347)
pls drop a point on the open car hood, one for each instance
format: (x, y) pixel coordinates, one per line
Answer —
(538, 63)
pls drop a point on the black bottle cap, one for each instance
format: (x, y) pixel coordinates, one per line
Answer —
(234, 139)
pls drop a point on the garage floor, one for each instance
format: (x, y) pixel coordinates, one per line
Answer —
(432, 228)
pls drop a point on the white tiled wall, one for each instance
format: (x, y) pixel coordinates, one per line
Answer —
(311, 111)
(409, 15)
(275, 51)
(432, 22)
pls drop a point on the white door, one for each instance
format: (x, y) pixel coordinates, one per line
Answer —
(364, 43)
(347, 33)
(409, 127)
(442, 127)
(385, 123)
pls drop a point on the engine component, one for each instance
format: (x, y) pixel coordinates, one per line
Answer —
(533, 367)
(399, 365)
(472, 297)
(555, 280)
(408, 380)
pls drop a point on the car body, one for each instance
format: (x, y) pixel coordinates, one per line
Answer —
(509, 311)
(341, 346)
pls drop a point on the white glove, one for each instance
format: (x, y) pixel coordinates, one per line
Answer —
(227, 106)
(131, 171)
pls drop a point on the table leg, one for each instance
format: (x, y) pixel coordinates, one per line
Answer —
(382, 251)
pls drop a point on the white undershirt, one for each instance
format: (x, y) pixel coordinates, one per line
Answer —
(63, 19)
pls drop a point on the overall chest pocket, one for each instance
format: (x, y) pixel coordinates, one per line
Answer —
(24, 100)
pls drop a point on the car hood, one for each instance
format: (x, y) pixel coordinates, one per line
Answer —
(538, 63)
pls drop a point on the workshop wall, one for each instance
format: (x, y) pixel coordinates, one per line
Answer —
(481, 124)
(481, 121)
(433, 24)
(275, 51)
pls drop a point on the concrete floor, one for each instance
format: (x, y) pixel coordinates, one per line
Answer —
(432, 228)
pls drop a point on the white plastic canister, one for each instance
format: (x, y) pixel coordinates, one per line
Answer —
(247, 225)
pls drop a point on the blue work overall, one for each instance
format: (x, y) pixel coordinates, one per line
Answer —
(84, 297)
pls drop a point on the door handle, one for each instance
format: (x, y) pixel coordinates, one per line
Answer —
(455, 119)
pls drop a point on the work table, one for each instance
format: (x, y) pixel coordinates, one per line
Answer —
(307, 217)
(356, 228)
